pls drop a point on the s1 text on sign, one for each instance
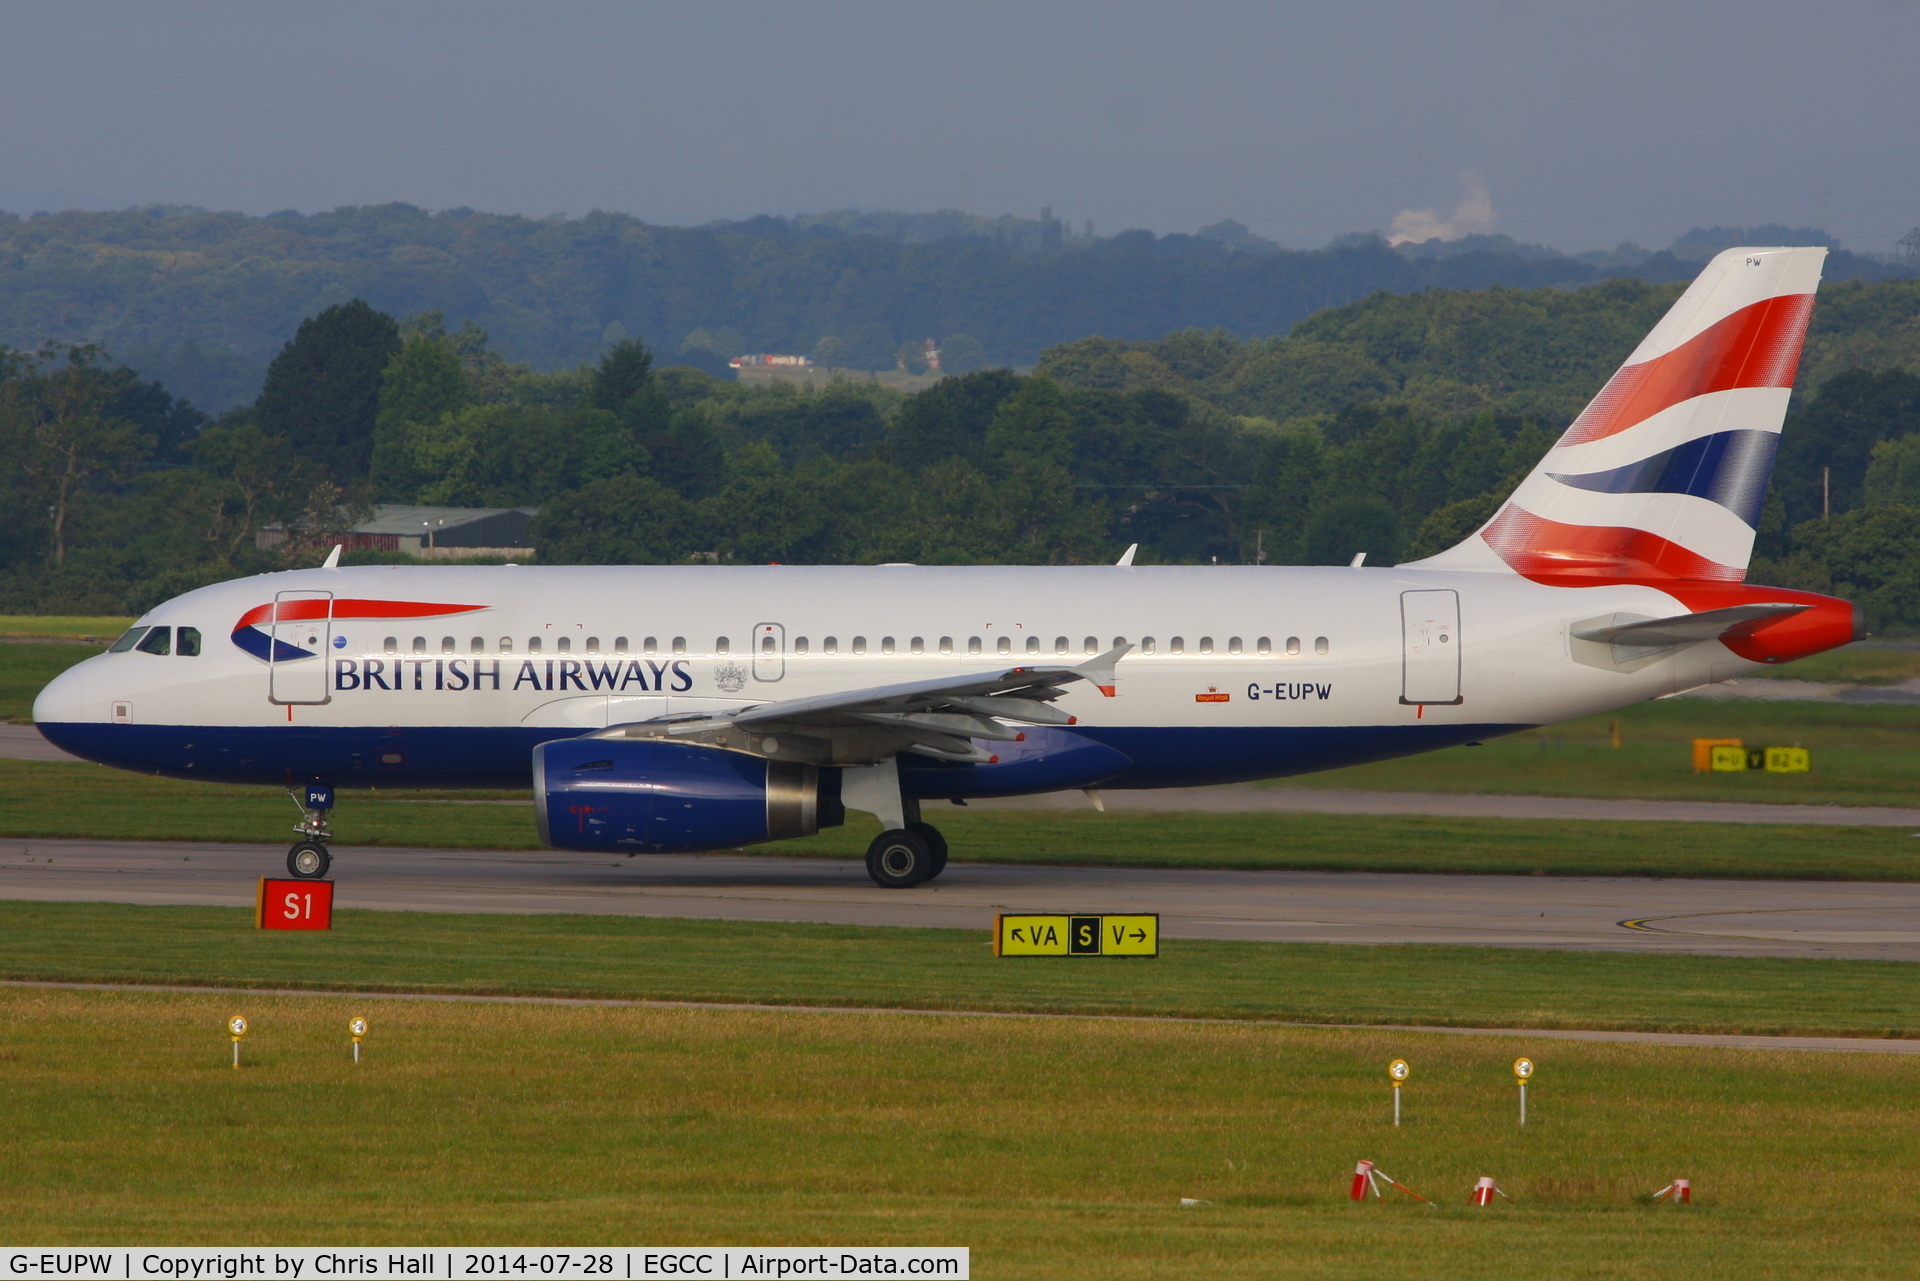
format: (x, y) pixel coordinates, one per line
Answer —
(293, 905)
(1070, 935)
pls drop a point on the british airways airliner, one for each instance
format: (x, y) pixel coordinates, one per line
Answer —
(679, 708)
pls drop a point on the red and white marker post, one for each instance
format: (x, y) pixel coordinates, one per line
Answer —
(1485, 1190)
(1681, 1190)
(1367, 1177)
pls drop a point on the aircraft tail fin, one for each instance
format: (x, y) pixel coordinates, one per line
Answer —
(1663, 475)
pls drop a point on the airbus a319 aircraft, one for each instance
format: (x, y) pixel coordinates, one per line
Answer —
(681, 708)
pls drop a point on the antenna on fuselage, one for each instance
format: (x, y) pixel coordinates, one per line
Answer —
(1126, 557)
(333, 557)
(1359, 559)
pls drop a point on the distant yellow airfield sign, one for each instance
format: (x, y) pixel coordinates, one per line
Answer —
(1137, 935)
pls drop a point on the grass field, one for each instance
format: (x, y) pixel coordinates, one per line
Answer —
(73, 627)
(1050, 1148)
(55, 799)
(792, 963)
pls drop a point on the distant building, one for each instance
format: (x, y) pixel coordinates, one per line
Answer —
(765, 361)
(431, 533)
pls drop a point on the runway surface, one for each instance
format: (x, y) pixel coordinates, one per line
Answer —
(1747, 918)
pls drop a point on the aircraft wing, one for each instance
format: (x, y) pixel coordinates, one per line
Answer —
(1687, 629)
(938, 717)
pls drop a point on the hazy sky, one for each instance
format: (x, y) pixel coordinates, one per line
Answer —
(1573, 124)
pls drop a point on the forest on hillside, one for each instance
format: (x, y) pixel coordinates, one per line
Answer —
(202, 301)
(1393, 426)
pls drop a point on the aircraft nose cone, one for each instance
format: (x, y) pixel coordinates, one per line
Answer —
(63, 701)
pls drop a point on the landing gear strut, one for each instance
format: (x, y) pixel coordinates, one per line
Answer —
(309, 858)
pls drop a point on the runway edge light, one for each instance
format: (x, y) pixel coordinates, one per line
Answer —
(1398, 1073)
(1523, 1072)
(237, 1028)
(356, 1028)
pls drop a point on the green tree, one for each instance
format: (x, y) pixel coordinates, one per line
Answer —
(1836, 432)
(962, 354)
(322, 392)
(58, 416)
(1346, 526)
(870, 348)
(425, 381)
(618, 520)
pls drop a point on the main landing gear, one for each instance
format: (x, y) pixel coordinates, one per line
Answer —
(309, 858)
(906, 856)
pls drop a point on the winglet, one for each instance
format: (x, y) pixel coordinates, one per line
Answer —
(1126, 557)
(1099, 670)
(333, 557)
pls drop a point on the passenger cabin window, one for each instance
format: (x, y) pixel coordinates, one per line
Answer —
(679, 644)
(720, 645)
(478, 646)
(533, 644)
(593, 644)
(1264, 645)
(859, 644)
(506, 645)
(1206, 644)
(1118, 641)
(1033, 644)
(1233, 645)
(1293, 646)
(128, 639)
(1146, 644)
(1178, 645)
(1320, 645)
(619, 644)
(565, 645)
(650, 646)
(447, 645)
(768, 645)
(392, 645)
(973, 644)
(1091, 645)
(799, 644)
(419, 644)
(918, 645)
(1059, 644)
(886, 644)
(186, 642)
(831, 645)
(159, 640)
(1004, 645)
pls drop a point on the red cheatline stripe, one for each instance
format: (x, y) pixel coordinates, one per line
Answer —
(1757, 346)
(1547, 551)
(294, 610)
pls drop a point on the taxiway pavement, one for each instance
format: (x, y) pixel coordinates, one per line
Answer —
(1731, 917)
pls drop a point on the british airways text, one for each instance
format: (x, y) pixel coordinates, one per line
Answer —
(615, 675)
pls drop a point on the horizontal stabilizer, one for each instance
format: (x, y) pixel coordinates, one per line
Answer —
(1688, 629)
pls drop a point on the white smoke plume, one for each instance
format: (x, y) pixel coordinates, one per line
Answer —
(1472, 216)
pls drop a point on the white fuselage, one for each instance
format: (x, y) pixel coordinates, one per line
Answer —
(1235, 672)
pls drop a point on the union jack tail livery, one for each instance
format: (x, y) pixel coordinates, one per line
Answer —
(1662, 476)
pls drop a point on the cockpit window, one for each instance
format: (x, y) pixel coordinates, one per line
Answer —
(187, 642)
(159, 640)
(128, 639)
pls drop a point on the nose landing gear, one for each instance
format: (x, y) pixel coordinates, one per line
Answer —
(309, 858)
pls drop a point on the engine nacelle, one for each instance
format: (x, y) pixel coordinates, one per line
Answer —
(627, 794)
